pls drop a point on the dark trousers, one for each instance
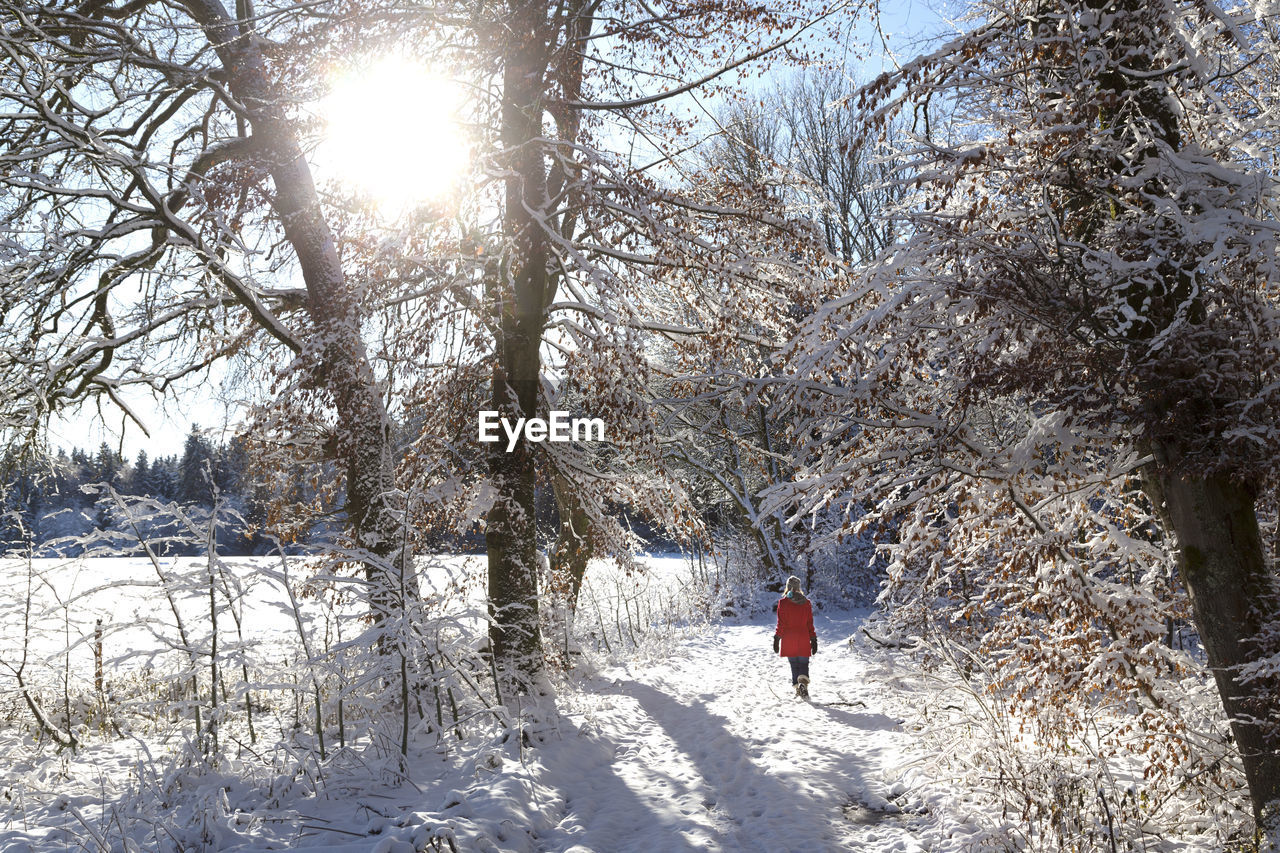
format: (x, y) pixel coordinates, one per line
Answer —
(799, 667)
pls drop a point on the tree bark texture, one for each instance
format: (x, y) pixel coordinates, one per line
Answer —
(521, 293)
(575, 545)
(1233, 596)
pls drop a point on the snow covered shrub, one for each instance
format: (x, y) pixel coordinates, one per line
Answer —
(646, 613)
(745, 583)
(1081, 776)
(1046, 598)
(248, 682)
(841, 567)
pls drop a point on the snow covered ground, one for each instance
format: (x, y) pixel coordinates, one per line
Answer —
(690, 740)
(683, 735)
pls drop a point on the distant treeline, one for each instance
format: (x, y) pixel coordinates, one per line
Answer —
(54, 504)
(58, 505)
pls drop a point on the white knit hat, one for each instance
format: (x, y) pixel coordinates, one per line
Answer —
(793, 583)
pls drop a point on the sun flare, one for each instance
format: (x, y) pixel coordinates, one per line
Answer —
(392, 132)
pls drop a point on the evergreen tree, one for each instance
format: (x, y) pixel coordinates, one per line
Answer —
(108, 466)
(139, 479)
(162, 484)
(231, 461)
(196, 471)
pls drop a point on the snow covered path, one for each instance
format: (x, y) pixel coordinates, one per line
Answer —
(706, 750)
(712, 752)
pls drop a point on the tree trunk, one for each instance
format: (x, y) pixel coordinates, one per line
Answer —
(1219, 548)
(515, 637)
(521, 293)
(574, 543)
(334, 352)
(573, 548)
(1233, 593)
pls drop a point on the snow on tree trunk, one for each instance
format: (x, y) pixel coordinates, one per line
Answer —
(515, 636)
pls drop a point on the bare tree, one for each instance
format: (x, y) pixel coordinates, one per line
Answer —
(162, 149)
(606, 244)
(845, 174)
(797, 150)
(140, 141)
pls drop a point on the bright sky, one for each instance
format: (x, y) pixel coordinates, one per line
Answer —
(373, 157)
(395, 156)
(204, 404)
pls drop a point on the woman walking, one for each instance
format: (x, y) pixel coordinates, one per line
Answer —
(794, 637)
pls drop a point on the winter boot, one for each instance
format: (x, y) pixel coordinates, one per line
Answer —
(802, 687)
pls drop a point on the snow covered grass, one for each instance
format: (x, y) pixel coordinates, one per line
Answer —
(219, 687)
(232, 689)
(648, 616)
(674, 729)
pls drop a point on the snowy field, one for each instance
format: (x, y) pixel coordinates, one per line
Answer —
(65, 612)
(136, 598)
(681, 735)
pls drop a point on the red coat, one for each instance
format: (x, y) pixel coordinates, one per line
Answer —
(795, 627)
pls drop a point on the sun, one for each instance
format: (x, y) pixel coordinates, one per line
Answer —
(392, 132)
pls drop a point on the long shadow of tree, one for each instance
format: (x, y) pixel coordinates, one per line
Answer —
(603, 812)
(759, 809)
